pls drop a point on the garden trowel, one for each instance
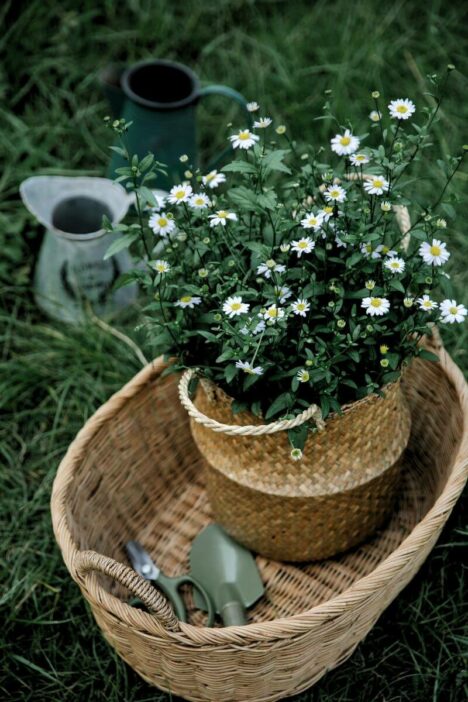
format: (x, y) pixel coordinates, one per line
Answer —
(228, 572)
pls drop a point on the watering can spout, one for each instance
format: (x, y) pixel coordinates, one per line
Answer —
(109, 79)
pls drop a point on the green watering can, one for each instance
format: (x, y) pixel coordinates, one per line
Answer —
(160, 99)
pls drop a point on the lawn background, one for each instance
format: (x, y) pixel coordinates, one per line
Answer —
(52, 378)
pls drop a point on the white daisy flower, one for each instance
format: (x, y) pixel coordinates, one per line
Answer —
(335, 193)
(160, 266)
(344, 144)
(375, 116)
(161, 224)
(259, 327)
(160, 200)
(401, 108)
(303, 375)
(213, 179)
(244, 139)
(188, 301)
(234, 306)
(180, 193)
(408, 302)
(451, 312)
(282, 292)
(296, 454)
(390, 253)
(386, 206)
(273, 313)
(434, 254)
(327, 212)
(359, 159)
(252, 106)
(270, 267)
(395, 265)
(370, 284)
(369, 251)
(375, 306)
(312, 221)
(340, 243)
(262, 123)
(376, 186)
(425, 303)
(284, 248)
(300, 307)
(304, 245)
(221, 217)
(249, 368)
(199, 201)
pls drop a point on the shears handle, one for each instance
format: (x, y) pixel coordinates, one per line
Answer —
(171, 586)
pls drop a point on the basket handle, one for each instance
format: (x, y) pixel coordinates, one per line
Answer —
(242, 430)
(88, 561)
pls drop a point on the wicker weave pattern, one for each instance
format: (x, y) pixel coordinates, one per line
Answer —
(134, 472)
(338, 494)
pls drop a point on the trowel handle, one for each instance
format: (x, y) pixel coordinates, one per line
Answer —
(231, 608)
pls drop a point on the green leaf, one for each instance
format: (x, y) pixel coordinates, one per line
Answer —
(396, 285)
(240, 167)
(146, 196)
(146, 162)
(418, 234)
(273, 161)
(244, 198)
(229, 373)
(282, 402)
(325, 406)
(298, 436)
(428, 355)
(119, 244)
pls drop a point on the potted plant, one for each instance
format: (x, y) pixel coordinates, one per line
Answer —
(293, 287)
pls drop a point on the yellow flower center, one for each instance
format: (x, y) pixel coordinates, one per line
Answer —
(435, 250)
(304, 376)
(235, 306)
(270, 263)
(394, 264)
(383, 348)
(453, 310)
(335, 193)
(378, 183)
(360, 157)
(345, 140)
(385, 249)
(302, 244)
(272, 312)
(210, 177)
(199, 201)
(369, 248)
(328, 210)
(222, 214)
(402, 109)
(243, 136)
(312, 220)
(427, 304)
(376, 302)
(162, 221)
(186, 298)
(180, 194)
(300, 306)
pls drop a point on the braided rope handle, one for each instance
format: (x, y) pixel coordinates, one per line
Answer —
(156, 603)
(246, 430)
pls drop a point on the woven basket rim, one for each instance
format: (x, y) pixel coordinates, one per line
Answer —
(281, 628)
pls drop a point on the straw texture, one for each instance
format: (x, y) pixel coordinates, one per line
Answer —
(337, 495)
(134, 472)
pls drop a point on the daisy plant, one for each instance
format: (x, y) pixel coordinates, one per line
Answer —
(284, 277)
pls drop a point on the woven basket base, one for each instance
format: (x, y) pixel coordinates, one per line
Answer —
(144, 478)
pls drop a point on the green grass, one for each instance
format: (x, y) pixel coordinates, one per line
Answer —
(285, 55)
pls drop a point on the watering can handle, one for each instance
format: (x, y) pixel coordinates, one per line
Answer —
(224, 91)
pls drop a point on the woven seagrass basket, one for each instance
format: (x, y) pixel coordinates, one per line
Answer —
(337, 495)
(134, 472)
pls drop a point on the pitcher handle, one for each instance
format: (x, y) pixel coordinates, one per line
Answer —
(227, 92)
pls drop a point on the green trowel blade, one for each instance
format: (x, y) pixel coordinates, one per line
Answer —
(226, 569)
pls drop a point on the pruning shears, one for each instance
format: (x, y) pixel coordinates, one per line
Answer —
(145, 566)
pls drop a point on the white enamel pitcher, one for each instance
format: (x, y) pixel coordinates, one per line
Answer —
(71, 272)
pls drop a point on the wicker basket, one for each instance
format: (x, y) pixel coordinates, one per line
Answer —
(338, 495)
(134, 472)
